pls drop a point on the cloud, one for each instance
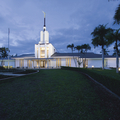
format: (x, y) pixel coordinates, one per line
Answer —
(67, 22)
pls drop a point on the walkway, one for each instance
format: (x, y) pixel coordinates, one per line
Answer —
(10, 74)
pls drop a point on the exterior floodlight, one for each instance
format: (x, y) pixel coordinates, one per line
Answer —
(119, 69)
(92, 66)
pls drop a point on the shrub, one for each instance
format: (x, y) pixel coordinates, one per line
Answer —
(2, 68)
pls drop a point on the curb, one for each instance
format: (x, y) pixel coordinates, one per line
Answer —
(19, 76)
(101, 85)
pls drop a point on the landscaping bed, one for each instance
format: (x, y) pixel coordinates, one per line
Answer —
(14, 71)
(24, 71)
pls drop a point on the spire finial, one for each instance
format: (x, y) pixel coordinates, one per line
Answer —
(44, 19)
(44, 13)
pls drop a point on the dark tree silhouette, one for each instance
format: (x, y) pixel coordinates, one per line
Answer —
(99, 38)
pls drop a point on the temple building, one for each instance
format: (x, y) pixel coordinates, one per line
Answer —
(45, 56)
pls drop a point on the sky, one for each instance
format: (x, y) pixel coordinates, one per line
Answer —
(67, 21)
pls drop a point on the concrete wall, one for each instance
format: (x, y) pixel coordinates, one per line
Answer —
(37, 50)
(94, 62)
(46, 37)
(63, 62)
(25, 63)
(41, 36)
(108, 62)
(11, 62)
(53, 63)
(112, 62)
(17, 63)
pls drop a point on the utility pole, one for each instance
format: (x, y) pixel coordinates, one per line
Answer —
(8, 46)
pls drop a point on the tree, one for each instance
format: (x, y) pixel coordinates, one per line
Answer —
(117, 15)
(71, 46)
(99, 38)
(80, 50)
(4, 53)
(114, 53)
(72, 49)
(105, 52)
(115, 37)
(86, 47)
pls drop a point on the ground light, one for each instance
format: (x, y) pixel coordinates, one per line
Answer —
(92, 66)
(119, 70)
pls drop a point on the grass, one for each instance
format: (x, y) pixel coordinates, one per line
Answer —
(50, 94)
(109, 73)
(4, 76)
(108, 78)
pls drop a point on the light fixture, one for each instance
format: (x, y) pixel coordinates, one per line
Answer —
(92, 66)
(42, 48)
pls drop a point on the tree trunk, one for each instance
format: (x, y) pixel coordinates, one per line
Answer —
(102, 58)
(117, 62)
(85, 59)
(74, 59)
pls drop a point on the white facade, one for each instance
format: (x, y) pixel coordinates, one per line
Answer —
(4, 62)
(44, 50)
(45, 57)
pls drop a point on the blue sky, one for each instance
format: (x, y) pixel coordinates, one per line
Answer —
(67, 21)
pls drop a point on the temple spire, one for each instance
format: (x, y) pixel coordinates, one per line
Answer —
(44, 19)
(44, 35)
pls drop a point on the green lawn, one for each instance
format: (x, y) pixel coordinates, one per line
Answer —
(4, 76)
(110, 73)
(50, 94)
(108, 78)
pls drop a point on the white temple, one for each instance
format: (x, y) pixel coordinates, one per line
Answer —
(45, 56)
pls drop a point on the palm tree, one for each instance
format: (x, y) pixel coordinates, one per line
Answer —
(71, 46)
(115, 37)
(99, 39)
(105, 52)
(114, 53)
(117, 15)
(80, 50)
(72, 49)
(86, 47)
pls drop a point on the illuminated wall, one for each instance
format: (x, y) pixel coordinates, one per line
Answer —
(44, 50)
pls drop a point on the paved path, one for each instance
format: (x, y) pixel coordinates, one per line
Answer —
(10, 74)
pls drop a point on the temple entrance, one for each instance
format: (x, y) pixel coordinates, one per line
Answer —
(42, 63)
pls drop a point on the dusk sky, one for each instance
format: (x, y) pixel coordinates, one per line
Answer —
(67, 21)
